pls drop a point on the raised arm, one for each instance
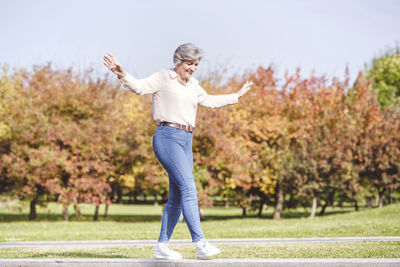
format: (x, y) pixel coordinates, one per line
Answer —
(147, 85)
(113, 64)
(216, 101)
(246, 87)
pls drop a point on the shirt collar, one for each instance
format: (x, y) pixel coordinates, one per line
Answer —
(174, 75)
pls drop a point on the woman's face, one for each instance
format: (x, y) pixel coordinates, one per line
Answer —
(186, 69)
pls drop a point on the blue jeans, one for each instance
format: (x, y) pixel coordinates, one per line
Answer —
(173, 149)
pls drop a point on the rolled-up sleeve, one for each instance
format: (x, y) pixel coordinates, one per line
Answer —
(149, 85)
(215, 101)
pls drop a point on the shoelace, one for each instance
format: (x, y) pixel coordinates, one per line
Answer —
(167, 247)
(204, 243)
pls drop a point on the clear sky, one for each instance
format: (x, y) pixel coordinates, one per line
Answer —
(320, 35)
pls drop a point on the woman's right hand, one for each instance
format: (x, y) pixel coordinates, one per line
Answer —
(113, 64)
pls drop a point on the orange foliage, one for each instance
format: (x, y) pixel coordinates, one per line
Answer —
(76, 139)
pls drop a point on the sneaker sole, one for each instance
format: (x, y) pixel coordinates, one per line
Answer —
(159, 257)
(208, 255)
(170, 259)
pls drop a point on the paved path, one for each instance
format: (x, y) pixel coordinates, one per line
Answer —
(118, 243)
(201, 263)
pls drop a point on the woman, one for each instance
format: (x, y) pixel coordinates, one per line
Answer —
(175, 95)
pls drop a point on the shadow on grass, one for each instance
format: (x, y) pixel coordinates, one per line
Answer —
(289, 214)
(269, 215)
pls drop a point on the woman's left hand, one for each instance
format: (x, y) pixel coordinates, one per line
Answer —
(246, 87)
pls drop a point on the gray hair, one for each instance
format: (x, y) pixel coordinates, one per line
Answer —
(187, 51)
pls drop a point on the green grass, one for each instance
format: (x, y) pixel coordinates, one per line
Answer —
(138, 212)
(286, 250)
(135, 222)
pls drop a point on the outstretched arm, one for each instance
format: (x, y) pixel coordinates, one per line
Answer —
(113, 64)
(148, 85)
(246, 87)
(216, 101)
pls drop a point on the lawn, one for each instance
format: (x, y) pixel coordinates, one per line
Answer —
(136, 222)
(284, 250)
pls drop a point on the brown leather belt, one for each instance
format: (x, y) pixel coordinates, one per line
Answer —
(177, 125)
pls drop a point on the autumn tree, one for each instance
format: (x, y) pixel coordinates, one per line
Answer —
(61, 141)
(72, 138)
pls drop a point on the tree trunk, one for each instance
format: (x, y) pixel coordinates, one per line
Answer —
(314, 207)
(260, 208)
(96, 213)
(130, 198)
(244, 212)
(65, 214)
(331, 199)
(106, 211)
(201, 213)
(291, 203)
(355, 204)
(32, 212)
(369, 202)
(380, 193)
(227, 204)
(155, 200)
(77, 210)
(390, 198)
(380, 202)
(119, 195)
(279, 203)
(322, 212)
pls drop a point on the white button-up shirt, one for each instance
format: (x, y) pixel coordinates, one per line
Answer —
(174, 101)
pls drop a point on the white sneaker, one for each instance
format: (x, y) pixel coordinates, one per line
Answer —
(205, 249)
(164, 252)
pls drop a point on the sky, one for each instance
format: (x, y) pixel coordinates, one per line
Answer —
(236, 36)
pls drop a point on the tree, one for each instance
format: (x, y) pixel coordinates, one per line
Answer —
(9, 85)
(61, 138)
(385, 73)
